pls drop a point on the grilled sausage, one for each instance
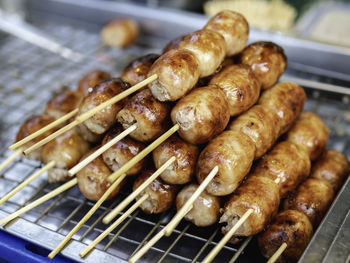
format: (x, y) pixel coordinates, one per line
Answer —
(313, 198)
(267, 60)
(178, 72)
(150, 115)
(103, 120)
(201, 115)
(241, 87)
(173, 43)
(88, 135)
(311, 133)
(91, 79)
(161, 195)
(205, 210)
(208, 47)
(63, 103)
(332, 167)
(66, 150)
(259, 123)
(31, 125)
(138, 69)
(233, 27)
(122, 152)
(291, 227)
(93, 179)
(233, 152)
(182, 169)
(260, 194)
(287, 161)
(287, 100)
(120, 33)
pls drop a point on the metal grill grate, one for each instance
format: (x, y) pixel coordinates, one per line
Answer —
(29, 77)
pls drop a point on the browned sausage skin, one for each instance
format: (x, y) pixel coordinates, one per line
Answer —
(63, 103)
(150, 115)
(93, 179)
(313, 198)
(173, 43)
(120, 33)
(233, 152)
(201, 115)
(102, 121)
(287, 100)
(267, 60)
(291, 227)
(233, 27)
(138, 69)
(208, 47)
(66, 150)
(161, 195)
(91, 79)
(31, 125)
(240, 85)
(122, 152)
(258, 193)
(205, 210)
(178, 72)
(182, 170)
(259, 123)
(332, 167)
(287, 161)
(311, 133)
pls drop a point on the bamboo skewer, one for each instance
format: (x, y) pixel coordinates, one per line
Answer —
(44, 129)
(9, 159)
(149, 244)
(230, 233)
(113, 226)
(39, 201)
(185, 208)
(83, 117)
(227, 237)
(167, 230)
(143, 153)
(27, 181)
(278, 252)
(68, 237)
(101, 150)
(108, 218)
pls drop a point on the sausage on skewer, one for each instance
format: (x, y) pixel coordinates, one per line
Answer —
(90, 80)
(267, 60)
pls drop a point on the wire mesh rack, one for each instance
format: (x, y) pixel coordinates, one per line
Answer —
(29, 78)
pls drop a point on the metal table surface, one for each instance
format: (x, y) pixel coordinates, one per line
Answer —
(30, 76)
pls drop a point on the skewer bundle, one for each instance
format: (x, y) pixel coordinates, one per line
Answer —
(199, 117)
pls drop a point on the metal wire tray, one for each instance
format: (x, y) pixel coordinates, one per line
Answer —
(30, 76)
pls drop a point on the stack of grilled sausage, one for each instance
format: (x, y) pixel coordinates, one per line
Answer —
(231, 90)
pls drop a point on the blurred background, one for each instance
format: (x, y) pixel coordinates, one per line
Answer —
(321, 20)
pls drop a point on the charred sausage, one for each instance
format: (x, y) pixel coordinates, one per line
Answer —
(122, 152)
(201, 115)
(205, 210)
(150, 115)
(66, 150)
(241, 87)
(233, 27)
(332, 167)
(311, 133)
(138, 69)
(93, 179)
(103, 120)
(91, 79)
(31, 125)
(161, 195)
(183, 168)
(178, 72)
